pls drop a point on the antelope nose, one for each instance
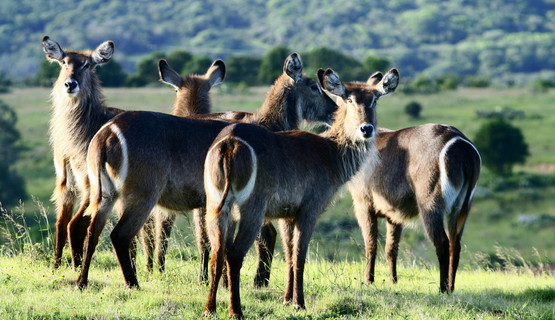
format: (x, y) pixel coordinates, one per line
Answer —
(71, 85)
(367, 130)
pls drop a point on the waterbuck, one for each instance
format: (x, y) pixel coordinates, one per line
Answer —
(145, 159)
(429, 171)
(79, 111)
(252, 174)
(292, 98)
(192, 98)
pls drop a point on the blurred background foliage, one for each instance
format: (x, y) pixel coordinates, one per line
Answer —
(505, 42)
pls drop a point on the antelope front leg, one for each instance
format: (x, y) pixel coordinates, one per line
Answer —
(64, 197)
(368, 224)
(392, 248)
(301, 238)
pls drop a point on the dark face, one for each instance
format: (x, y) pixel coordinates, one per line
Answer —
(316, 105)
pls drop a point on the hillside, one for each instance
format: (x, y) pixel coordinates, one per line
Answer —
(510, 41)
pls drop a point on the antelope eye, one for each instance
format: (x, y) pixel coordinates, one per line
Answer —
(349, 100)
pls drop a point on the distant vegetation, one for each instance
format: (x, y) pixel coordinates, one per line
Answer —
(501, 145)
(12, 185)
(502, 42)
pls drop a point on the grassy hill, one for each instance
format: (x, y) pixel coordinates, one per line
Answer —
(510, 41)
(512, 219)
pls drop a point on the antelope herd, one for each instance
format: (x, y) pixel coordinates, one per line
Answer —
(238, 171)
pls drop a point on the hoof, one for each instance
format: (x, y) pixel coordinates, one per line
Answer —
(236, 316)
(299, 307)
(209, 314)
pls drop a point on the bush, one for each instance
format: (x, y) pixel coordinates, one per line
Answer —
(12, 186)
(242, 69)
(5, 83)
(503, 113)
(422, 85)
(272, 64)
(501, 146)
(541, 85)
(47, 74)
(413, 109)
(111, 74)
(348, 67)
(477, 82)
(197, 65)
(147, 71)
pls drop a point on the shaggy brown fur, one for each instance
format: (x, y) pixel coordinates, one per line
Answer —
(291, 176)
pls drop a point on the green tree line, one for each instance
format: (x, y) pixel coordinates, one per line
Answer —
(512, 40)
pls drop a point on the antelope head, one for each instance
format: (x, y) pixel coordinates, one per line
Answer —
(77, 67)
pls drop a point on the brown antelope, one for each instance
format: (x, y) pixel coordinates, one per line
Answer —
(145, 159)
(192, 98)
(429, 171)
(281, 110)
(252, 174)
(78, 112)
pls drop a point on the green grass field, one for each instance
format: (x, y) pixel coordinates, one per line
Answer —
(31, 290)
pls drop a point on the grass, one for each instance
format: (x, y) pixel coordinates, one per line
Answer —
(31, 290)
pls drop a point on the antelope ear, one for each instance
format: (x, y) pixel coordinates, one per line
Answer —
(333, 84)
(320, 76)
(168, 75)
(375, 78)
(389, 82)
(216, 73)
(52, 49)
(293, 66)
(103, 53)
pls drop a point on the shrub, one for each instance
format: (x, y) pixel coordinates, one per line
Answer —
(413, 109)
(501, 146)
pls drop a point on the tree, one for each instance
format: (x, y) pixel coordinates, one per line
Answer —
(272, 64)
(12, 186)
(501, 146)
(348, 67)
(413, 109)
(243, 69)
(111, 74)
(47, 74)
(197, 65)
(178, 59)
(5, 83)
(147, 71)
(373, 63)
